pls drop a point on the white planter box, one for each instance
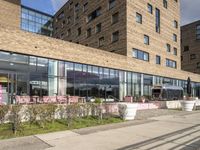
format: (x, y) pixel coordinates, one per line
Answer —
(130, 110)
(187, 105)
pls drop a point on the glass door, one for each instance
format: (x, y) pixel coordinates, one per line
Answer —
(12, 84)
(4, 88)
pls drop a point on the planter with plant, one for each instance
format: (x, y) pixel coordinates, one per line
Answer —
(127, 111)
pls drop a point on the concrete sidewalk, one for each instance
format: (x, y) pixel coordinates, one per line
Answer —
(178, 131)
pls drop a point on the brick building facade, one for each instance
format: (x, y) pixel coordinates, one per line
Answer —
(190, 47)
(123, 26)
(32, 64)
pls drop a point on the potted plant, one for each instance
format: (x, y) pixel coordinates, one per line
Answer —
(188, 102)
(143, 99)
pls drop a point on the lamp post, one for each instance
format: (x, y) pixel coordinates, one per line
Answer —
(105, 93)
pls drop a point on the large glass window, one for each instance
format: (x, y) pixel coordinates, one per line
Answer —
(94, 14)
(148, 83)
(198, 32)
(70, 78)
(42, 65)
(34, 21)
(136, 84)
(171, 63)
(140, 55)
(35, 76)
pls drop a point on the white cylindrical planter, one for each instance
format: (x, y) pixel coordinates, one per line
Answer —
(187, 105)
(130, 111)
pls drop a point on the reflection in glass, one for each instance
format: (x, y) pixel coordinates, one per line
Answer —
(34, 21)
(35, 76)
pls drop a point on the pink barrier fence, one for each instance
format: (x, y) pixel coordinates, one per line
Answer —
(49, 99)
(113, 107)
(151, 105)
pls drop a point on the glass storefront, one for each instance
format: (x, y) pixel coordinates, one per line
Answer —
(35, 76)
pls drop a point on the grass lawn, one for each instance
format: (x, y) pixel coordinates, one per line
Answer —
(58, 125)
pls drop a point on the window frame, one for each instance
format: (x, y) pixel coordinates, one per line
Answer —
(115, 18)
(146, 37)
(158, 60)
(150, 8)
(138, 18)
(115, 39)
(141, 55)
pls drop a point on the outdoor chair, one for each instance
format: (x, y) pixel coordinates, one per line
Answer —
(61, 99)
(49, 99)
(128, 99)
(73, 99)
(22, 99)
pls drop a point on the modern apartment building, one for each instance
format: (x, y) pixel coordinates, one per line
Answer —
(140, 29)
(190, 47)
(33, 64)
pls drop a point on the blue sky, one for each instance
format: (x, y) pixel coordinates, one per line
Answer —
(190, 10)
(47, 6)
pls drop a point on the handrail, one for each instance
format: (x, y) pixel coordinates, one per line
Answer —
(115, 99)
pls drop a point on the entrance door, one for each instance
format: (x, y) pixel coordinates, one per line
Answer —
(4, 88)
(12, 84)
(7, 87)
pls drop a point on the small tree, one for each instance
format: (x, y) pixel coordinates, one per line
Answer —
(16, 118)
(62, 113)
(71, 113)
(99, 108)
(3, 111)
(50, 111)
(32, 114)
(87, 109)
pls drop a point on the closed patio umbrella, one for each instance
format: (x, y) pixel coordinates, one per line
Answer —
(189, 87)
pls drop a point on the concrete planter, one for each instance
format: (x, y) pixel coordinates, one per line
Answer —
(187, 105)
(128, 110)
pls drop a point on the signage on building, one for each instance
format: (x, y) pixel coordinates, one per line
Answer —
(1, 94)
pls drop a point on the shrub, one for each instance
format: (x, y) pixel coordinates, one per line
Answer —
(50, 110)
(97, 101)
(40, 114)
(71, 113)
(87, 109)
(32, 113)
(16, 118)
(3, 111)
(122, 110)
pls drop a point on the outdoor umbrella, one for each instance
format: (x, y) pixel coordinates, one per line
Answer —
(189, 88)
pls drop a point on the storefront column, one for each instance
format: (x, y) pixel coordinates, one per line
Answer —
(142, 84)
